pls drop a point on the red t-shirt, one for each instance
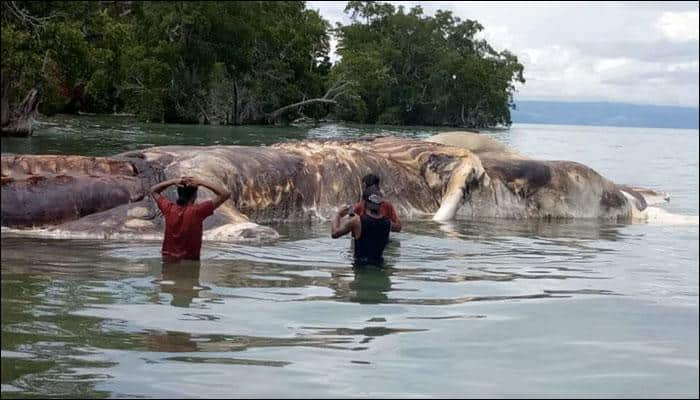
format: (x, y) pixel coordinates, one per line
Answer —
(386, 209)
(183, 228)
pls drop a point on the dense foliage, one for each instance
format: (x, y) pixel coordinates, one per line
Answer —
(177, 61)
(254, 62)
(416, 69)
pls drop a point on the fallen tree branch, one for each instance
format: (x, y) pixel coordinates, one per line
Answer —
(21, 119)
(330, 97)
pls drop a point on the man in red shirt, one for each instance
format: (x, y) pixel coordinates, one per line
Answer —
(183, 219)
(386, 209)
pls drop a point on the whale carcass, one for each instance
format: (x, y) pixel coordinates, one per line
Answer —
(450, 175)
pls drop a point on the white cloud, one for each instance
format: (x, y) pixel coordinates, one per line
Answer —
(678, 26)
(607, 64)
(567, 74)
(499, 36)
(638, 52)
(333, 46)
(682, 67)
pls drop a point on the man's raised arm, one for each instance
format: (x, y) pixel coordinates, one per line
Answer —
(221, 193)
(157, 188)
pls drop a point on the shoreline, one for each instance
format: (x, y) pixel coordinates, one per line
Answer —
(44, 120)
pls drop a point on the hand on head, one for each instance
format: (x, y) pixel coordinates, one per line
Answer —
(188, 181)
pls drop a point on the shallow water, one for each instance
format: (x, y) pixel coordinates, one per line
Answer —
(490, 308)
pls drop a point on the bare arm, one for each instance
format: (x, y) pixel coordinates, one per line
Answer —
(395, 222)
(341, 226)
(156, 189)
(221, 193)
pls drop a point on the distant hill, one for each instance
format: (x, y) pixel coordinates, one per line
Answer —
(604, 114)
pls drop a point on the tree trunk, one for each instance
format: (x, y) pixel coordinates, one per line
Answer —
(20, 121)
(236, 113)
(5, 107)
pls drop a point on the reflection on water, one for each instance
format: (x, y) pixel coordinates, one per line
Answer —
(104, 135)
(370, 284)
(91, 318)
(181, 281)
(478, 308)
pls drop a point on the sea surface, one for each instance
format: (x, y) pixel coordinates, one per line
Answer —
(467, 309)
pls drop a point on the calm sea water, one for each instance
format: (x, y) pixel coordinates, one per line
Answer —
(499, 308)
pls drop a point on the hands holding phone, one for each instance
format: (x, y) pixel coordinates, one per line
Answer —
(346, 210)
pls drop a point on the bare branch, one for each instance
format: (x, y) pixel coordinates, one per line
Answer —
(24, 17)
(280, 111)
(331, 96)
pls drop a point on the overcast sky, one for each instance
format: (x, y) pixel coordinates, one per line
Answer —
(634, 52)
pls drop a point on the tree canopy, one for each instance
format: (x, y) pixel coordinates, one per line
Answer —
(254, 62)
(415, 69)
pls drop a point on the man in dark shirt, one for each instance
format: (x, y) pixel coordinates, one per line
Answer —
(371, 183)
(369, 231)
(183, 219)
